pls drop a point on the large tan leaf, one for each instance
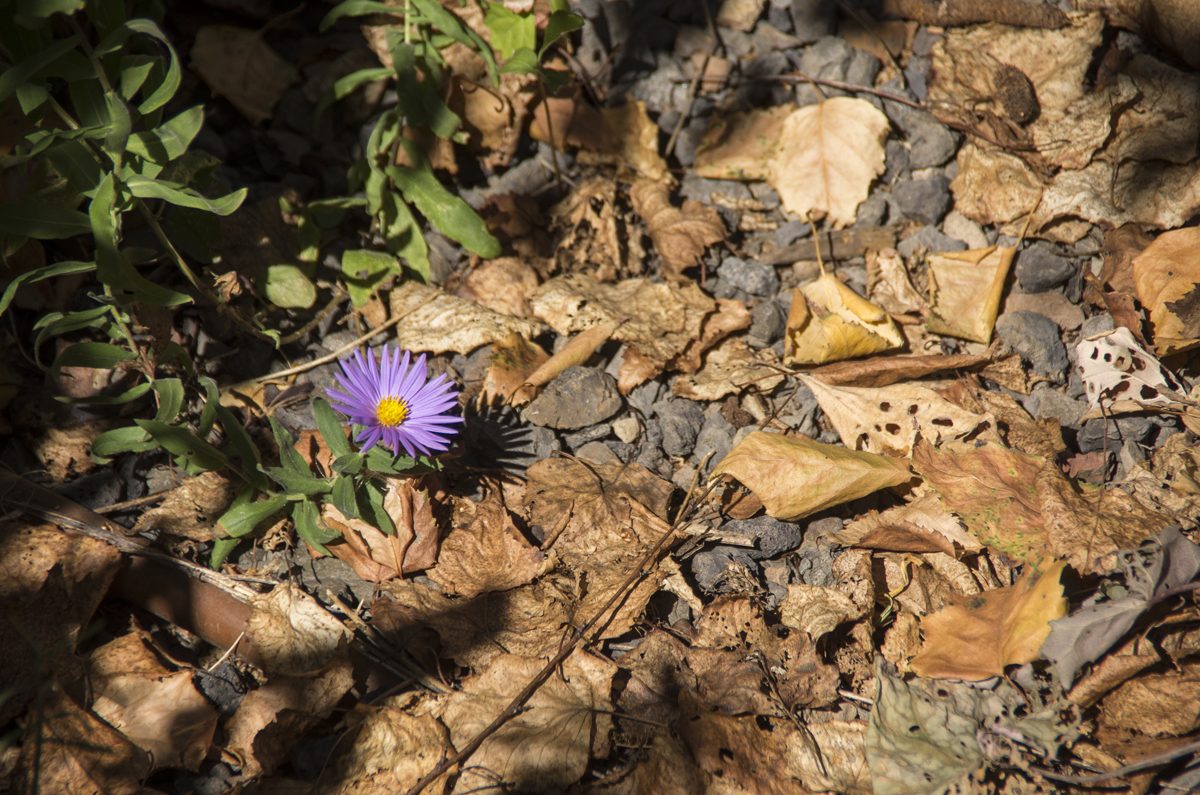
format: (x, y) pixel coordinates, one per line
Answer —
(923, 525)
(887, 420)
(965, 288)
(829, 322)
(1167, 278)
(293, 634)
(485, 551)
(681, 235)
(828, 156)
(436, 322)
(795, 476)
(728, 369)
(393, 747)
(1006, 626)
(741, 145)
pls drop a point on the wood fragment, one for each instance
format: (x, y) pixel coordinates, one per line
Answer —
(837, 244)
(952, 13)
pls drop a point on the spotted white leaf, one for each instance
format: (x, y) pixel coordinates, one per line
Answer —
(1114, 367)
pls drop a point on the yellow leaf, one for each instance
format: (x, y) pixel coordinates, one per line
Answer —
(1003, 627)
(829, 322)
(1167, 279)
(828, 155)
(795, 476)
(965, 288)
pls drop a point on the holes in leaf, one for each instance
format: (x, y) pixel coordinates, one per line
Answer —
(943, 422)
(885, 406)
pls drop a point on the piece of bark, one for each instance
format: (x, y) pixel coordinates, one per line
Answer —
(886, 370)
(837, 244)
(951, 13)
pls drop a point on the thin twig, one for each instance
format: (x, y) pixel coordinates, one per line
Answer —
(1136, 767)
(891, 96)
(136, 502)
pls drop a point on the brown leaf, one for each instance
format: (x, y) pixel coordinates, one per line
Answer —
(159, 710)
(829, 322)
(1017, 429)
(376, 556)
(390, 750)
(885, 370)
(1006, 626)
(1155, 704)
(620, 135)
(191, 509)
(502, 285)
(1022, 506)
(728, 369)
(888, 285)
(795, 476)
(239, 65)
(681, 236)
(293, 634)
(64, 451)
(741, 145)
(69, 749)
(733, 752)
(828, 156)
(965, 288)
(485, 551)
(437, 322)
(576, 352)
(830, 756)
(547, 747)
(664, 768)
(513, 359)
(816, 609)
(887, 420)
(1167, 278)
(923, 525)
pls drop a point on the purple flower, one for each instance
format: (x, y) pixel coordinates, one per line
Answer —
(395, 404)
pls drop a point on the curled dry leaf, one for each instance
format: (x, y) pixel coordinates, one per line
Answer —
(816, 609)
(159, 710)
(622, 135)
(239, 65)
(795, 476)
(882, 371)
(1006, 626)
(502, 285)
(292, 633)
(1167, 278)
(923, 525)
(829, 322)
(437, 322)
(576, 352)
(887, 420)
(830, 756)
(728, 369)
(681, 235)
(1155, 704)
(548, 745)
(191, 509)
(828, 156)
(730, 316)
(888, 285)
(485, 551)
(513, 359)
(965, 288)
(390, 751)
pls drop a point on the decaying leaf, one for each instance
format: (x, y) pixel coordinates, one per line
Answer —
(816, 609)
(965, 288)
(998, 628)
(376, 556)
(828, 156)
(239, 65)
(1155, 704)
(923, 525)
(437, 322)
(728, 369)
(159, 710)
(887, 420)
(888, 285)
(622, 135)
(1115, 368)
(829, 322)
(191, 509)
(548, 745)
(485, 551)
(681, 235)
(1167, 278)
(292, 633)
(577, 351)
(502, 285)
(741, 145)
(657, 321)
(882, 371)
(795, 476)
(513, 359)
(1021, 505)
(390, 750)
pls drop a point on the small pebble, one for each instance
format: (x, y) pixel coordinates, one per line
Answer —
(751, 277)
(627, 428)
(1035, 338)
(1040, 268)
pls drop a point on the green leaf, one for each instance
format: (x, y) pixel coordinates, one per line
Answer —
(332, 428)
(100, 355)
(288, 288)
(243, 518)
(451, 215)
(212, 401)
(403, 235)
(170, 139)
(170, 398)
(365, 271)
(289, 457)
(221, 549)
(135, 71)
(120, 126)
(371, 508)
(42, 219)
(182, 442)
(115, 40)
(42, 9)
(128, 396)
(523, 62)
(299, 483)
(510, 31)
(183, 196)
(344, 86)
(18, 74)
(561, 23)
(130, 439)
(66, 268)
(420, 98)
(449, 24)
(56, 324)
(348, 464)
(75, 161)
(310, 528)
(343, 497)
(357, 8)
(241, 446)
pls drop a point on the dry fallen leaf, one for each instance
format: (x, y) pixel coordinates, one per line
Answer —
(681, 235)
(1006, 626)
(159, 710)
(191, 509)
(795, 476)
(923, 525)
(728, 369)
(513, 359)
(376, 556)
(741, 145)
(393, 747)
(436, 322)
(485, 551)
(239, 65)
(292, 633)
(1115, 370)
(887, 420)
(622, 135)
(1167, 278)
(882, 371)
(502, 285)
(888, 285)
(548, 745)
(828, 156)
(816, 609)
(965, 288)
(1155, 704)
(830, 756)
(829, 322)
(576, 352)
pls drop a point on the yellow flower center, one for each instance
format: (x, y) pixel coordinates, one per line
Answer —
(391, 412)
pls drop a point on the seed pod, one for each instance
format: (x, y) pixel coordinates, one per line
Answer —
(1016, 94)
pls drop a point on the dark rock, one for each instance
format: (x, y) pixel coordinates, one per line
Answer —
(827, 58)
(789, 233)
(928, 238)
(930, 143)
(1047, 401)
(765, 195)
(927, 200)
(580, 397)
(1040, 269)
(811, 19)
(874, 211)
(862, 68)
(681, 421)
(715, 437)
(598, 453)
(916, 75)
(711, 566)
(751, 277)
(1140, 430)
(767, 323)
(576, 440)
(665, 88)
(771, 536)
(898, 165)
(1097, 324)
(224, 686)
(779, 15)
(1035, 338)
(644, 396)
(702, 190)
